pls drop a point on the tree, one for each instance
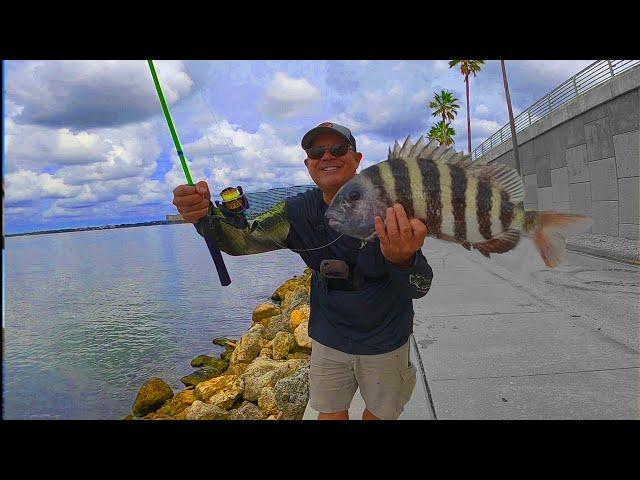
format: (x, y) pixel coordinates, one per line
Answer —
(442, 133)
(512, 123)
(445, 106)
(467, 67)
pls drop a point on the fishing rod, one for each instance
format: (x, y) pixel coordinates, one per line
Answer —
(223, 274)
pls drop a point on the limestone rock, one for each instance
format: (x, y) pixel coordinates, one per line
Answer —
(292, 394)
(284, 289)
(279, 323)
(220, 391)
(178, 403)
(299, 315)
(236, 369)
(299, 355)
(283, 342)
(263, 312)
(301, 334)
(158, 416)
(294, 300)
(204, 374)
(224, 342)
(248, 348)
(266, 352)
(205, 411)
(151, 396)
(265, 372)
(207, 361)
(267, 401)
(247, 411)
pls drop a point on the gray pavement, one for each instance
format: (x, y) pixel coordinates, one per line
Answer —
(507, 338)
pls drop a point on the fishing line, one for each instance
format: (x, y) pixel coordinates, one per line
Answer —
(231, 149)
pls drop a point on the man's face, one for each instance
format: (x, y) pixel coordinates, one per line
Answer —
(329, 172)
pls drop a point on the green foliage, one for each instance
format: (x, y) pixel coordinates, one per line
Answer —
(443, 133)
(467, 67)
(444, 105)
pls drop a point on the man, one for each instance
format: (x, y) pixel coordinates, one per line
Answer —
(359, 325)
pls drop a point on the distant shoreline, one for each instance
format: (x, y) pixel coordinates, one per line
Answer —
(102, 227)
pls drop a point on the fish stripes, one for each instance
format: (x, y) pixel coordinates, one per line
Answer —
(376, 179)
(458, 201)
(506, 210)
(402, 184)
(430, 176)
(483, 206)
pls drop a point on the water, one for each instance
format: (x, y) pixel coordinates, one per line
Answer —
(90, 316)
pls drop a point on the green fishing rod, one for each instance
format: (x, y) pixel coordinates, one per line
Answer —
(211, 244)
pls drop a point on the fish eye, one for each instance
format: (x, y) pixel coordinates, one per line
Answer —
(354, 195)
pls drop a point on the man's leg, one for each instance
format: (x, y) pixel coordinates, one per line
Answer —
(386, 382)
(344, 415)
(332, 382)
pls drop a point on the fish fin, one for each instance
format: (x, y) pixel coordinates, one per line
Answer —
(503, 177)
(417, 147)
(501, 243)
(548, 231)
(406, 148)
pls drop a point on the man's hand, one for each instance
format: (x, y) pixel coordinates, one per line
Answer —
(192, 201)
(401, 237)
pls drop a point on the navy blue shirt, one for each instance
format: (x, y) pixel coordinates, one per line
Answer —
(373, 319)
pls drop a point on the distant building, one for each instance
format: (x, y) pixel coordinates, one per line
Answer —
(260, 202)
(176, 219)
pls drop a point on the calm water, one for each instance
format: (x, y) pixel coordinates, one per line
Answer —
(90, 316)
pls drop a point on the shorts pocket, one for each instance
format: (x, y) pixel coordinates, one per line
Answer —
(408, 375)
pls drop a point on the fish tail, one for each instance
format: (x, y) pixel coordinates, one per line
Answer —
(548, 231)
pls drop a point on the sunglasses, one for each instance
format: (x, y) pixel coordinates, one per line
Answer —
(316, 153)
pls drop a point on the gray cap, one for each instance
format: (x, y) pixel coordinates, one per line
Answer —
(327, 127)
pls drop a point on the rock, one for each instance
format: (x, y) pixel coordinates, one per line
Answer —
(299, 355)
(128, 417)
(224, 342)
(205, 411)
(204, 374)
(257, 328)
(266, 352)
(294, 300)
(207, 361)
(158, 416)
(151, 396)
(283, 342)
(284, 289)
(301, 334)
(247, 411)
(236, 369)
(299, 315)
(226, 355)
(178, 403)
(263, 312)
(220, 391)
(263, 372)
(292, 394)
(279, 323)
(272, 417)
(249, 347)
(267, 401)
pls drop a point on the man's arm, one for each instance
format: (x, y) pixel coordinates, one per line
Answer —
(267, 232)
(415, 280)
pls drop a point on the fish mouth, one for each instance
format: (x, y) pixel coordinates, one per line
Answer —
(333, 218)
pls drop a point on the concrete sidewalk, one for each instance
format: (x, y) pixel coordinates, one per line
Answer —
(488, 344)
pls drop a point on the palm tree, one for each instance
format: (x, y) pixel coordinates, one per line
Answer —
(467, 67)
(444, 105)
(442, 133)
(512, 123)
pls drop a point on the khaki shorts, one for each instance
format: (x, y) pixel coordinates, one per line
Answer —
(386, 381)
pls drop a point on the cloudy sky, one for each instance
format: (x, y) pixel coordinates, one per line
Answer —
(85, 142)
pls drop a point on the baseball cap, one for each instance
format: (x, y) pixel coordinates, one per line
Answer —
(328, 127)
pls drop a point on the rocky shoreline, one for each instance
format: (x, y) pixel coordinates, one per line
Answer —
(264, 375)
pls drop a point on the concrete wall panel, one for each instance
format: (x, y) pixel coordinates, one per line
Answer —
(580, 198)
(623, 113)
(605, 217)
(531, 191)
(560, 185)
(629, 211)
(543, 171)
(599, 139)
(627, 148)
(629, 231)
(527, 159)
(545, 198)
(577, 168)
(604, 181)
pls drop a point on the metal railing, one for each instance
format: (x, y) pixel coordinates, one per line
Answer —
(595, 74)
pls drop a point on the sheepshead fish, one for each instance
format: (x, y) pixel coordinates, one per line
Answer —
(478, 206)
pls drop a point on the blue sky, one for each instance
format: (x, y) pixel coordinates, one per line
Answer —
(86, 143)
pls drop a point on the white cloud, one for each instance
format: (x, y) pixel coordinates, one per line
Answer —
(83, 94)
(287, 97)
(481, 109)
(30, 186)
